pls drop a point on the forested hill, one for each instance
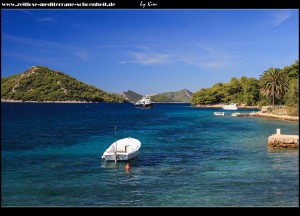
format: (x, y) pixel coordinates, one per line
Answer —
(131, 96)
(274, 87)
(183, 95)
(40, 83)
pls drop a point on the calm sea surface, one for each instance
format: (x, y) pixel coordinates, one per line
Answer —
(51, 156)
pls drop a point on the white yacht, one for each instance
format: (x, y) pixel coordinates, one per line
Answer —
(145, 102)
(231, 106)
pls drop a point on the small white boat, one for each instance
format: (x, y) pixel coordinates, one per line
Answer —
(122, 150)
(219, 113)
(145, 102)
(231, 106)
(235, 114)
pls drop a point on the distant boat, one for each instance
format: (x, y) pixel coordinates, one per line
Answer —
(235, 114)
(122, 150)
(145, 102)
(231, 106)
(219, 113)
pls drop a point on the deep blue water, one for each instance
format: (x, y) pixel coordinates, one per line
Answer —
(51, 156)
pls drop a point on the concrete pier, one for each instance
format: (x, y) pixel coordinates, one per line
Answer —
(283, 141)
(266, 115)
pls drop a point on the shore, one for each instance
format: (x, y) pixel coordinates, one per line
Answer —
(255, 114)
(220, 106)
(268, 115)
(19, 101)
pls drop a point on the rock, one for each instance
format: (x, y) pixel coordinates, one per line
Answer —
(283, 141)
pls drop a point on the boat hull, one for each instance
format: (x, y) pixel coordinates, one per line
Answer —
(119, 156)
(122, 150)
(219, 113)
(230, 107)
(144, 106)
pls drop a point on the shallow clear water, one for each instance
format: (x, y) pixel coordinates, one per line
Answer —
(51, 156)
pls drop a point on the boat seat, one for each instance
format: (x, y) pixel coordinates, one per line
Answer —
(128, 149)
(119, 151)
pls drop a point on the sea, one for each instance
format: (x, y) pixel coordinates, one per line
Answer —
(51, 157)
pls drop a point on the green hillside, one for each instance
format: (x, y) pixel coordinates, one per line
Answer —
(40, 83)
(183, 95)
(131, 96)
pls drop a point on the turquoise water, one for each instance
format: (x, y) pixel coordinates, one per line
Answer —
(51, 156)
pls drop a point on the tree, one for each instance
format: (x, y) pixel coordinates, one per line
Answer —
(292, 71)
(292, 96)
(203, 97)
(273, 82)
(250, 91)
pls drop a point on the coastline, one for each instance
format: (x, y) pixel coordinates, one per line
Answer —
(272, 116)
(254, 114)
(20, 101)
(220, 106)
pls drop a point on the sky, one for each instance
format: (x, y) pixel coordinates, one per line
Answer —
(150, 51)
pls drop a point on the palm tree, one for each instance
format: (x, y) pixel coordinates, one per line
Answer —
(273, 82)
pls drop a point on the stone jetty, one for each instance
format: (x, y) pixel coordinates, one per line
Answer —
(283, 141)
(267, 115)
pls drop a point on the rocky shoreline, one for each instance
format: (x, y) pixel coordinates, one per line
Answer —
(268, 115)
(220, 106)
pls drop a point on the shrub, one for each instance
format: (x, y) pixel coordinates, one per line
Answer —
(293, 110)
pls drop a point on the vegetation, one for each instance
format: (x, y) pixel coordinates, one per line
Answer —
(161, 98)
(244, 91)
(131, 96)
(183, 95)
(275, 86)
(273, 82)
(40, 83)
(293, 110)
(292, 96)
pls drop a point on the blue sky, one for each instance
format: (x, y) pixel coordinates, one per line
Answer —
(150, 51)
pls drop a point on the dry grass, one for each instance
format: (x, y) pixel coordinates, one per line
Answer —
(279, 111)
(293, 111)
(282, 110)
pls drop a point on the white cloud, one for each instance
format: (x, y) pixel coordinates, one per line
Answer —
(37, 59)
(210, 58)
(44, 49)
(280, 17)
(201, 56)
(83, 55)
(44, 19)
(27, 12)
(208, 62)
(149, 58)
(36, 42)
